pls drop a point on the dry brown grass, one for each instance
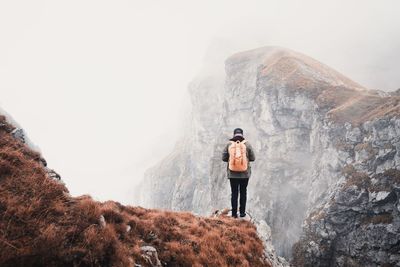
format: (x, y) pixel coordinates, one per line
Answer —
(386, 181)
(359, 179)
(346, 104)
(349, 102)
(393, 175)
(41, 225)
(384, 218)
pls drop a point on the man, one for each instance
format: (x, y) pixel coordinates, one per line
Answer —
(238, 153)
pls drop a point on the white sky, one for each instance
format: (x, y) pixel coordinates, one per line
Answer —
(100, 85)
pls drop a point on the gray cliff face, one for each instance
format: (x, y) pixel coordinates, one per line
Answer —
(293, 110)
(357, 221)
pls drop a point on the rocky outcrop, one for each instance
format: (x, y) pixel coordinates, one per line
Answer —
(151, 256)
(264, 233)
(306, 123)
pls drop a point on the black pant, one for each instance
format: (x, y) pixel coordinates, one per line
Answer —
(238, 184)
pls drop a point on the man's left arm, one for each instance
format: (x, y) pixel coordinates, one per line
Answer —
(250, 152)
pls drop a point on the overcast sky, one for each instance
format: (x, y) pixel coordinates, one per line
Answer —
(100, 85)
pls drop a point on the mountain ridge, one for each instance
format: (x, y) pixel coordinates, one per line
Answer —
(306, 124)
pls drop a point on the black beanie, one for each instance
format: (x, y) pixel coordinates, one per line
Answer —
(238, 131)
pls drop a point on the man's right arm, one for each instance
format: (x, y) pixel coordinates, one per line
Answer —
(225, 154)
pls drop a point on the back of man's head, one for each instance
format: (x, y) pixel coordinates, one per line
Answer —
(238, 132)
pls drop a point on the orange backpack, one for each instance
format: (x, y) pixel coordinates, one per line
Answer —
(237, 156)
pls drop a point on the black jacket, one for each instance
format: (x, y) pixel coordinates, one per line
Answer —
(250, 157)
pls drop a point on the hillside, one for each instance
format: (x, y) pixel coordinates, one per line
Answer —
(309, 125)
(42, 225)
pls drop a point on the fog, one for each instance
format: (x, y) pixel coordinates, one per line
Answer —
(100, 86)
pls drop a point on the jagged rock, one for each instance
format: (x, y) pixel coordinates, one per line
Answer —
(151, 256)
(43, 161)
(150, 236)
(264, 232)
(222, 212)
(50, 172)
(102, 221)
(53, 174)
(308, 125)
(19, 134)
(378, 196)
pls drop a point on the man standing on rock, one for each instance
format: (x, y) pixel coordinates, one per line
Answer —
(238, 153)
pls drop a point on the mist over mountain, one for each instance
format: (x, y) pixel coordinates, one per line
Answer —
(327, 162)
